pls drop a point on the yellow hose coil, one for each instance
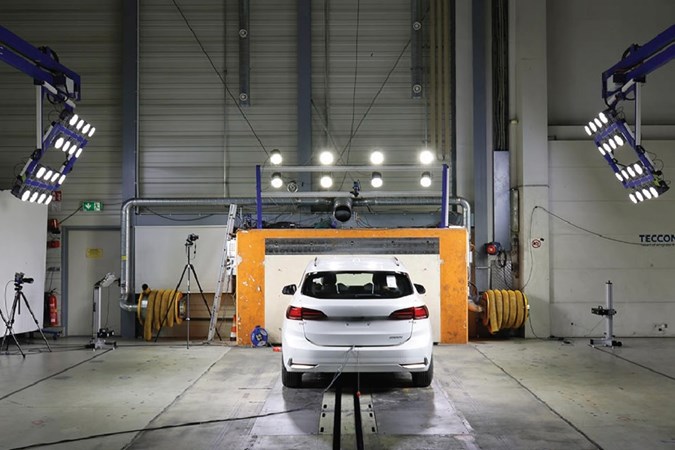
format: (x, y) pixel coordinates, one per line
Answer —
(149, 313)
(170, 317)
(503, 309)
(158, 303)
(176, 308)
(499, 307)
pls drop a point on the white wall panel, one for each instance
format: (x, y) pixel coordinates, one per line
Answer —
(160, 256)
(23, 247)
(281, 270)
(585, 192)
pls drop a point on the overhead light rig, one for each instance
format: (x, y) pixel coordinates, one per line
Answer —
(69, 134)
(609, 129)
(283, 175)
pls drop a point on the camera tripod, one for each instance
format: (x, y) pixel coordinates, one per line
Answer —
(190, 270)
(16, 306)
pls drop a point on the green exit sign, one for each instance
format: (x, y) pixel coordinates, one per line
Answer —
(92, 206)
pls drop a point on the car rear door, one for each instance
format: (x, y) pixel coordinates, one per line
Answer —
(358, 316)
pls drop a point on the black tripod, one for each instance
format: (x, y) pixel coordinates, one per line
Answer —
(190, 270)
(19, 280)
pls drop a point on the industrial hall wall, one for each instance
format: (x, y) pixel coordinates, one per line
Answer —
(87, 37)
(606, 236)
(197, 139)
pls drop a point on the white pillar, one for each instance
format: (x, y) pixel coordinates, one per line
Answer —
(531, 154)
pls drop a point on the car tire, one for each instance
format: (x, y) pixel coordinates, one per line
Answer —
(423, 379)
(290, 379)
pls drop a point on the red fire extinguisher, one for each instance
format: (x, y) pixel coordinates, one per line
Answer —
(52, 303)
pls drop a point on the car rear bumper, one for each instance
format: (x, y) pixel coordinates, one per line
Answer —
(414, 355)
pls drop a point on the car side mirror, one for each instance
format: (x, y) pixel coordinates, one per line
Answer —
(421, 289)
(289, 289)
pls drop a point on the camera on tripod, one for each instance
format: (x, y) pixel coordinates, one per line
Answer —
(191, 238)
(20, 278)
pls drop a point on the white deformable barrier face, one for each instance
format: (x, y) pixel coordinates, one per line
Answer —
(281, 270)
(24, 249)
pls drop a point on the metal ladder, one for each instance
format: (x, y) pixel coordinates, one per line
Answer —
(225, 274)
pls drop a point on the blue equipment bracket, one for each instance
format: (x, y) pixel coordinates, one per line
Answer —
(637, 63)
(41, 64)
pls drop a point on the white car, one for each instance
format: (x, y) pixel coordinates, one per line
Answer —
(356, 314)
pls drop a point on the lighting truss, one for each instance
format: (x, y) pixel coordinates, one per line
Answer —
(612, 135)
(610, 131)
(37, 180)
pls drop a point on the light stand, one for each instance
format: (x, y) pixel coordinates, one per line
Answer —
(19, 280)
(100, 334)
(190, 270)
(608, 313)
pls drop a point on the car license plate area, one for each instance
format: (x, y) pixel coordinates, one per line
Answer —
(358, 332)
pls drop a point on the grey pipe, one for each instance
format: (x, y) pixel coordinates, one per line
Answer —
(125, 237)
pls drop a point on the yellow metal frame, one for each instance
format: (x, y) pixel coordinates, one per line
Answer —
(250, 300)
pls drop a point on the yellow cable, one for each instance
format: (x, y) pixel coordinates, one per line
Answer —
(499, 307)
(521, 309)
(506, 309)
(510, 296)
(163, 307)
(526, 308)
(492, 302)
(147, 326)
(156, 313)
(485, 304)
(138, 308)
(514, 307)
(176, 305)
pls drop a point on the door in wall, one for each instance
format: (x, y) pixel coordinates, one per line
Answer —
(91, 255)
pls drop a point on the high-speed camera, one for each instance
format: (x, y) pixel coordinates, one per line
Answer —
(20, 278)
(192, 237)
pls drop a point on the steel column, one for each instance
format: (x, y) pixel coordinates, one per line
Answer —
(304, 95)
(129, 123)
(480, 145)
(244, 54)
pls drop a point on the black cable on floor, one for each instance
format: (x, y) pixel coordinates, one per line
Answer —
(163, 427)
(575, 428)
(53, 375)
(637, 364)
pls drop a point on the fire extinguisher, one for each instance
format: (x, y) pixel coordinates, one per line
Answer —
(52, 303)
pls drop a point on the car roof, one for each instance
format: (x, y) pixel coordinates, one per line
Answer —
(349, 262)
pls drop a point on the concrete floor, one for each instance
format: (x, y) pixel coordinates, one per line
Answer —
(515, 394)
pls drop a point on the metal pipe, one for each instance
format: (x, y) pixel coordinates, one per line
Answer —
(244, 54)
(638, 115)
(433, 92)
(445, 77)
(258, 196)
(38, 117)
(353, 168)
(609, 325)
(125, 237)
(445, 213)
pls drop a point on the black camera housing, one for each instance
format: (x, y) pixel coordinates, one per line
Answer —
(20, 278)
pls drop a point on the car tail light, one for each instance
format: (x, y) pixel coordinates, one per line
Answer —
(298, 313)
(414, 312)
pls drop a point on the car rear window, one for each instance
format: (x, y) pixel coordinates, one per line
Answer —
(361, 284)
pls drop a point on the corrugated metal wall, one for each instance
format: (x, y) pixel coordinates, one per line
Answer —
(395, 122)
(88, 38)
(194, 140)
